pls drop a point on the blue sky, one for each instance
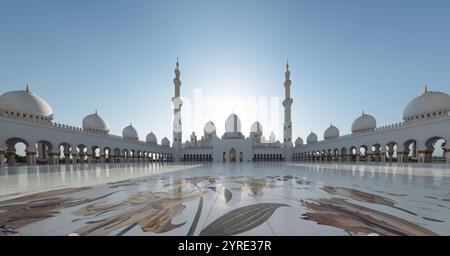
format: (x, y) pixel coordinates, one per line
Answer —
(118, 57)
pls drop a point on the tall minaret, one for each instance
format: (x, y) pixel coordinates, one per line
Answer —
(287, 102)
(177, 127)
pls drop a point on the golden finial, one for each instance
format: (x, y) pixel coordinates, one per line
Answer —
(27, 88)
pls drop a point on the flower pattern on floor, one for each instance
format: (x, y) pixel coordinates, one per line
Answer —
(186, 205)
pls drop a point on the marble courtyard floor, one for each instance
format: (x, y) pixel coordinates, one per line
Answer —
(226, 199)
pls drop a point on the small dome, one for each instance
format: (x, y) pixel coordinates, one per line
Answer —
(256, 128)
(210, 128)
(298, 142)
(165, 142)
(151, 138)
(233, 124)
(187, 144)
(364, 123)
(331, 132)
(428, 102)
(312, 138)
(94, 122)
(130, 133)
(26, 102)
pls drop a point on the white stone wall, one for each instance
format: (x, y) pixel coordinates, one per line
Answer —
(34, 132)
(421, 132)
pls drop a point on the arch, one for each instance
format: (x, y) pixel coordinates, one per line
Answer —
(435, 149)
(44, 151)
(125, 153)
(233, 155)
(391, 151)
(65, 149)
(12, 157)
(363, 153)
(410, 151)
(107, 153)
(353, 152)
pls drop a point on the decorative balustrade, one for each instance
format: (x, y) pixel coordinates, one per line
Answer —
(61, 126)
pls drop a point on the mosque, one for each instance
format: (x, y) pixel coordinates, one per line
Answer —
(27, 118)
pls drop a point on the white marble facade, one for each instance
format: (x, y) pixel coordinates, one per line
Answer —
(26, 117)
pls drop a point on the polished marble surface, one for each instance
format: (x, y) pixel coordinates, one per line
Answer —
(226, 199)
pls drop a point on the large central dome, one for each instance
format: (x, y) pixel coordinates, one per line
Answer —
(233, 128)
(428, 104)
(26, 104)
(233, 124)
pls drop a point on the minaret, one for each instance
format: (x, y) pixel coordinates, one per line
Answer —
(177, 127)
(287, 102)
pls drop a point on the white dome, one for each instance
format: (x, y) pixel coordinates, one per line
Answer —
(312, 138)
(256, 128)
(364, 123)
(331, 132)
(428, 102)
(94, 122)
(298, 142)
(151, 138)
(165, 142)
(130, 133)
(26, 102)
(210, 128)
(233, 124)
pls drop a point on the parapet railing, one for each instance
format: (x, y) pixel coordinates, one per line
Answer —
(67, 127)
(382, 129)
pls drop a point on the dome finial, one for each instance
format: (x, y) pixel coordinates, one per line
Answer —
(426, 89)
(96, 112)
(27, 88)
(363, 112)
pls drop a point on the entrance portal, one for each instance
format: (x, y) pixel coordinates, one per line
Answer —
(233, 155)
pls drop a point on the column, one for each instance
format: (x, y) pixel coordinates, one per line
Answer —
(56, 157)
(74, 154)
(51, 158)
(11, 155)
(428, 156)
(400, 156)
(390, 154)
(29, 156)
(382, 157)
(2, 157)
(369, 156)
(447, 155)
